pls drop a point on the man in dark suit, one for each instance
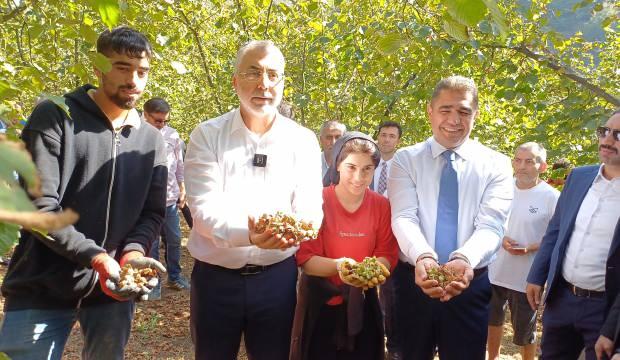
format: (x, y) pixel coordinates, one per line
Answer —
(608, 344)
(579, 257)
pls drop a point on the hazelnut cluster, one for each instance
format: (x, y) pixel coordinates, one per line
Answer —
(443, 275)
(287, 226)
(137, 280)
(369, 272)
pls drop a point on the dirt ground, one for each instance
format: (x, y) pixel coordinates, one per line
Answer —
(161, 328)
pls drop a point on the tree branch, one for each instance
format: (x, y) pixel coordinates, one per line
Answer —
(563, 71)
(14, 13)
(303, 82)
(267, 22)
(245, 28)
(203, 58)
(569, 73)
(390, 106)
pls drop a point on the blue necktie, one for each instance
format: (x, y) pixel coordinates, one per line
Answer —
(446, 227)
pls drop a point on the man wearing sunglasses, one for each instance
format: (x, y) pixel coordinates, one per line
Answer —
(579, 257)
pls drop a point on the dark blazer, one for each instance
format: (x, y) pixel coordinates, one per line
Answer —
(611, 327)
(547, 266)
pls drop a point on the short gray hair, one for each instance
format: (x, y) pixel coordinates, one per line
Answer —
(540, 153)
(458, 83)
(332, 124)
(255, 44)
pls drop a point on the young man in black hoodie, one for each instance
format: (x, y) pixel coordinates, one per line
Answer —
(102, 161)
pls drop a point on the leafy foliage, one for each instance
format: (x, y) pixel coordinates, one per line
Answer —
(360, 61)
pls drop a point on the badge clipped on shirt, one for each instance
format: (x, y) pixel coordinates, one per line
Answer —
(259, 160)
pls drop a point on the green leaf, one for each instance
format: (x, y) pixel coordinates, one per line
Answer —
(316, 25)
(8, 237)
(110, 12)
(7, 89)
(455, 29)
(466, 12)
(14, 159)
(390, 43)
(581, 4)
(36, 30)
(498, 17)
(88, 34)
(15, 198)
(59, 101)
(102, 62)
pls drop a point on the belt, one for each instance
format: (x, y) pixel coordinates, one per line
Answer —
(478, 272)
(251, 269)
(579, 292)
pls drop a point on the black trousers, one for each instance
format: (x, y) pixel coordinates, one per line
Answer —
(390, 315)
(331, 318)
(457, 328)
(187, 215)
(570, 324)
(225, 304)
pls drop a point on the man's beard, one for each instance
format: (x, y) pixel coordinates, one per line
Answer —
(126, 103)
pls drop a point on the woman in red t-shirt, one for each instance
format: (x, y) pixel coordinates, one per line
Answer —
(356, 224)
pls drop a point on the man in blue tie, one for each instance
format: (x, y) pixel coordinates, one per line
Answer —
(450, 197)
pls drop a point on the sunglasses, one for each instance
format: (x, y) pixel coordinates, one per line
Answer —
(603, 131)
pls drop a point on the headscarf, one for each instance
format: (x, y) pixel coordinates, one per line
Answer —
(333, 176)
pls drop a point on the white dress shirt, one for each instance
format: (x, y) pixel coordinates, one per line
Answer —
(585, 261)
(485, 192)
(377, 175)
(223, 187)
(174, 154)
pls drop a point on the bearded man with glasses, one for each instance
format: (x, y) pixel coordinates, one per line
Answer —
(245, 163)
(579, 257)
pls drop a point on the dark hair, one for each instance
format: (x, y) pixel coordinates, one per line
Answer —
(124, 40)
(156, 105)
(359, 146)
(390, 124)
(457, 83)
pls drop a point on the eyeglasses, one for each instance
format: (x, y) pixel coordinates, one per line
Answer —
(603, 131)
(273, 76)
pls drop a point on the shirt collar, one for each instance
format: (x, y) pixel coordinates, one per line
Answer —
(464, 150)
(601, 179)
(381, 161)
(238, 123)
